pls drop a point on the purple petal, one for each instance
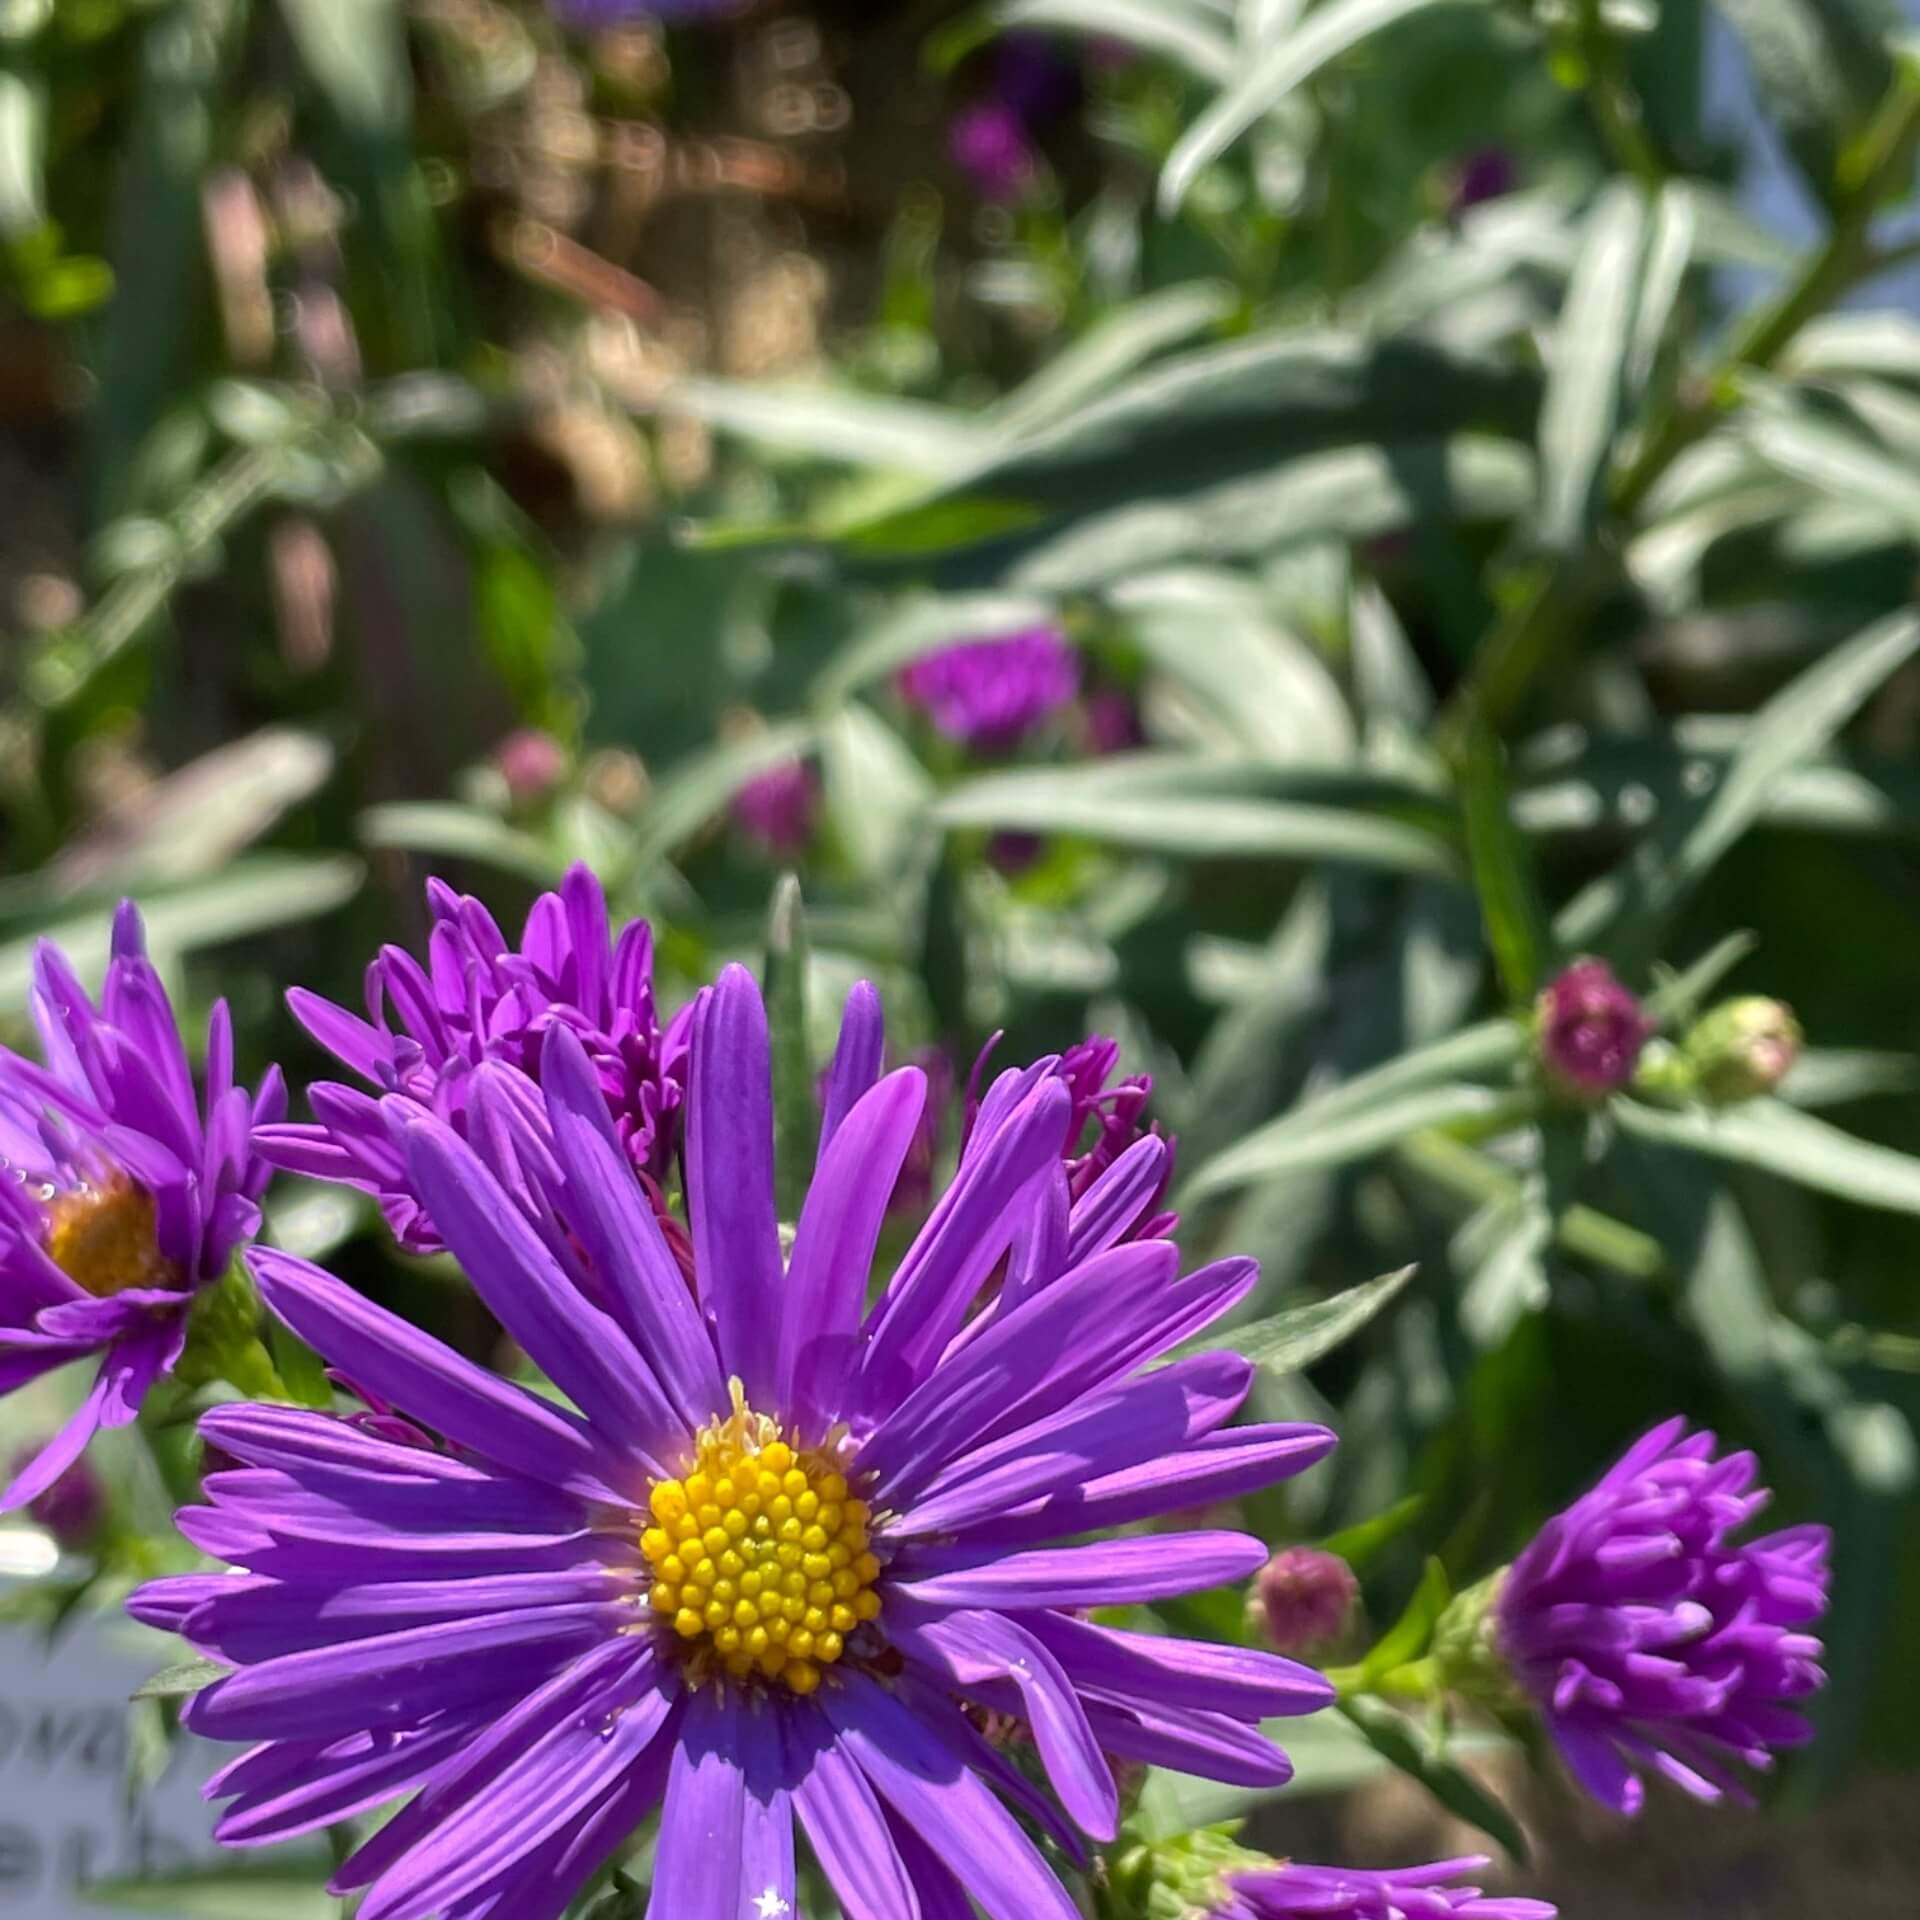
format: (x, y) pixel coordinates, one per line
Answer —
(729, 1155)
(357, 1044)
(580, 1348)
(834, 1246)
(126, 1373)
(857, 1058)
(846, 1826)
(1118, 1197)
(925, 1779)
(696, 1870)
(615, 1221)
(766, 1823)
(1105, 1574)
(1211, 1745)
(419, 1375)
(1242, 1681)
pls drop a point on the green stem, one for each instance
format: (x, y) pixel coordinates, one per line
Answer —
(1616, 109)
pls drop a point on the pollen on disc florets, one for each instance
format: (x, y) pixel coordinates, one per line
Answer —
(104, 1238)
(760, 1553)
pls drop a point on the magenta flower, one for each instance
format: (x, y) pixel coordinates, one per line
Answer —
(532, 763)
(127, 1192)
(990, 694)
(750, 1569)
(1291, 1891)
(1590, 1031)
(989, 144)
(479, 999)
(1306, 1597)
(1648, 1637)
(777, 810)
(1485, 174)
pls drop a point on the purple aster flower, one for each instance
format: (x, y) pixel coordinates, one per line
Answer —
(777, 809)
(1648, 1637)
(532, 763)
(1113, 721)
(1306, 1597)
(1291, 1891)
(990, 694)
(989, 144)
(478, 999)
(775, 1538)
(1590, 1030)
(1035, 79)
(125, 1191)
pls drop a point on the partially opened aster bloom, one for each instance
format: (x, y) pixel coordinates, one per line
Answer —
(754, 1578)
(479, 998)
(1649, 1637)
(990, 694)
(1291, 1891)
(124, 1194)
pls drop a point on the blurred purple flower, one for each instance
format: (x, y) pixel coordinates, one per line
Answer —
(1486, 173)
(1036, 79)
(1113, 721)
(777, 810)
(1292, 1891)
(125, 1192)
(989, 144)
(1590, 1031)
(1305, 1596)
(1647, 1637)
(1012, 853)
(990, 694)
(72, 1508)
(532, 763)
(479, 999)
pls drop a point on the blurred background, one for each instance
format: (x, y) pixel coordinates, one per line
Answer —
(1465, 454)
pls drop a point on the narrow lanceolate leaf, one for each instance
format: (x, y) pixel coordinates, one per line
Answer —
(1587, 363)
(1303, 1139)
(1837, 461)
(1325, 35)
(796, 1109)
(1181, 32)
(452, 830)
(1679, 996)
(1394, 1736)
(1293, 1340)
(1670, 244)
(1777, 1139)
(23, 141)
(1633, 905)
(822, 423)
(1502, 869)
(176, 1683)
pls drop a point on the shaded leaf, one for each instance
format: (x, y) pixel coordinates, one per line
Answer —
(1293, 1340)
(1502, 868)
(796, 1107)
(179, 1682)
(1394, 1736)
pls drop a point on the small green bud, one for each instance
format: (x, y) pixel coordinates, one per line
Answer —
(223, 1338)
(1466, 1652)
(1181, 1878)
(1743, 1048)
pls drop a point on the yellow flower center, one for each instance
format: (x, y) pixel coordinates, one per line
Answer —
(760, 1554)
(103, 1238)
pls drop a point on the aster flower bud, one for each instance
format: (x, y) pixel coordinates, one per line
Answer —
(1304, 1598)
(73, 1508)
(1647, 1636)
(777, 809)
(1183, 1876)
(1588, 1032)
(990, 146)
(1743, 1048)
(1289, 1890)
(991, 694)
(532, 763)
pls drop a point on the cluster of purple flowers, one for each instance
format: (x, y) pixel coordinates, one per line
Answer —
(786, 1542)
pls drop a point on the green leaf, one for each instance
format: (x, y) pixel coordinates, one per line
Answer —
(1502, 868)
(302, 1372)
(1115, 345)
(451, 831)
(1293, 1340)
(1832, 1076)
(1837, 461)
(1092, 804)
(1263, 687)
(700, 787)
(23, 141)
(356, 50)
(1637, 902)
(796, 1107)
(1407, 1639)
(182, 1681)
(1679, 996)
(1794, 1146)
(1181, 32)
(825, 423)
(1304, 1139)
(877, 792)
(1393, 1735)
(249, 896)
(1587, 360)
(1356, 1545)
(1326, 33)
(1672, 235)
